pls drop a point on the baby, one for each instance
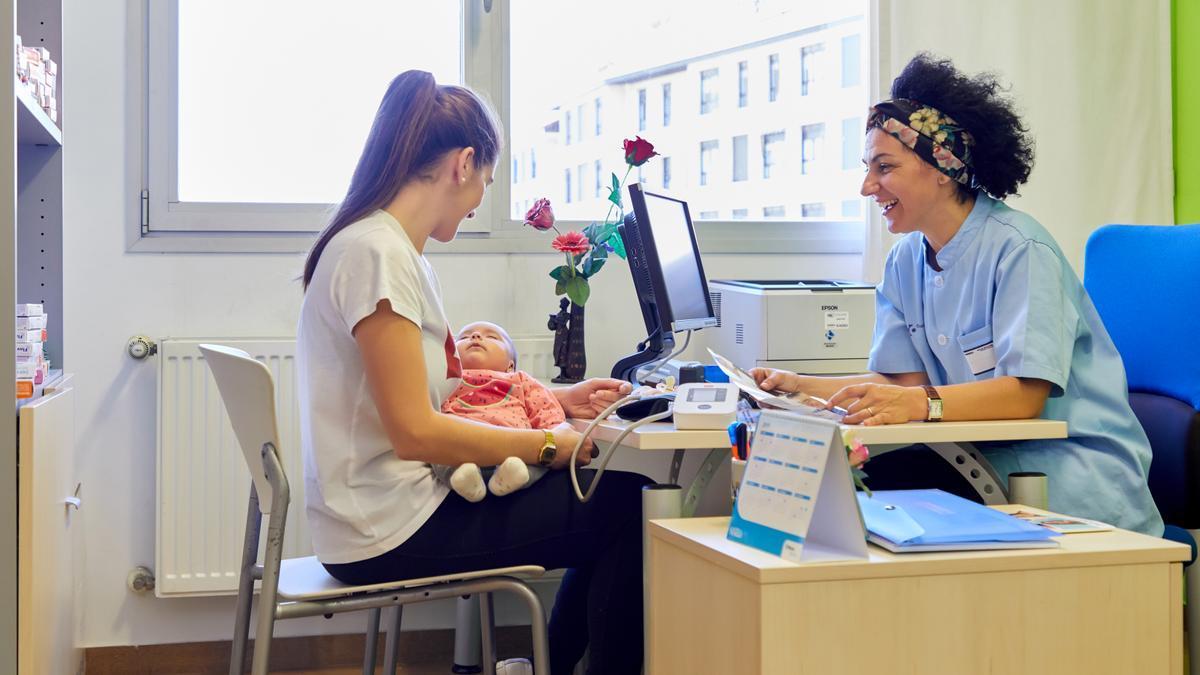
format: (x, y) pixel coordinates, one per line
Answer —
(495, 392)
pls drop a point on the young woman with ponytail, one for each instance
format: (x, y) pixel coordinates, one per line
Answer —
(376, 358)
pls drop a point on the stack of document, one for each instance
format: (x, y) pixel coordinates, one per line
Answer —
(931, 520)
(795, 402)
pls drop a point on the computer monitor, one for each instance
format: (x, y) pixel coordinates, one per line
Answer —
(668, 275)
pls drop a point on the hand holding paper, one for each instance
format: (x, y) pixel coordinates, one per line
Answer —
(794, 401)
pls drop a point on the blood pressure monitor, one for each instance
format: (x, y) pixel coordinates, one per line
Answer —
(705, 405)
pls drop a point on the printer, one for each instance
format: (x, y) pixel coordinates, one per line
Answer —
(809, 326)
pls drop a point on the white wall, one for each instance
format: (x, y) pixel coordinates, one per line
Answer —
(111, 295)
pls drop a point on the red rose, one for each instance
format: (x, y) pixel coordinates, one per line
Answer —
(571, 242)
(540, 217)
(638, 151)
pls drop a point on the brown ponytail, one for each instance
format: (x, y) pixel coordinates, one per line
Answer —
(418, 121)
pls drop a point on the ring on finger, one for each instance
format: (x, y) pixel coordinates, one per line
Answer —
(870, 412)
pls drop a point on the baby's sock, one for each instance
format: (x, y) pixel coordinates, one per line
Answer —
(510, 476)
(467, 481)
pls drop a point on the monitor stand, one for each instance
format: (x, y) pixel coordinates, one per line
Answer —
(649, 350)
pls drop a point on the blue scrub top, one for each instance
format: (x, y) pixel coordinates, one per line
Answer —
(1006, 302)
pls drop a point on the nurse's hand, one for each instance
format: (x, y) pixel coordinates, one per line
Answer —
(584, 400)
(770, 379)
(873, 404)
(565, 438)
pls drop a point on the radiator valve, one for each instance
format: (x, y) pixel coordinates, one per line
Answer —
(140, 579)
(140, 346)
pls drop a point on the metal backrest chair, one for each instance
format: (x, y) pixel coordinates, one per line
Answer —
(1145, 283)
(299, 587)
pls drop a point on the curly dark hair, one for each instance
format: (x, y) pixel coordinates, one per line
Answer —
(1003, 151)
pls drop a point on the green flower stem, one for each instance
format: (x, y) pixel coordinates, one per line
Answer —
(570, 263)
(611, 206)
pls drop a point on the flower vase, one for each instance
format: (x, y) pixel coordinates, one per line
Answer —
(569, 354)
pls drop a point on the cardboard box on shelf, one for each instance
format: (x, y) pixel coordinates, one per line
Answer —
(30, 309)
(31, 335)
(29, 322)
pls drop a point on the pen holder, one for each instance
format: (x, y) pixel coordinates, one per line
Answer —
(1029, 488)
(736, 469)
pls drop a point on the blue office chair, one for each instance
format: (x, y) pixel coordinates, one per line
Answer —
(1145, 283)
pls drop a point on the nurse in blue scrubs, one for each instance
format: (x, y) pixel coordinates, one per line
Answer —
(979, 316)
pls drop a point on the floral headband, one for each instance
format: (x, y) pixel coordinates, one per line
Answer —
(934, 136)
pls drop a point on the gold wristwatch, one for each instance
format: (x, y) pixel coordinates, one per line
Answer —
(934, 403)
(549, 450)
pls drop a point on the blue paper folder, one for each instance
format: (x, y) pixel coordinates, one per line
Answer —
(902, 520)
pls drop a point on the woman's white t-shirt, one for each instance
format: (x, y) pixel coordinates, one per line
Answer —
(361, 499)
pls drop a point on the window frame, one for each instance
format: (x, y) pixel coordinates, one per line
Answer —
(168, 226)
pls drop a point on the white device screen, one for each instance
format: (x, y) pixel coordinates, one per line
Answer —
(706, 396)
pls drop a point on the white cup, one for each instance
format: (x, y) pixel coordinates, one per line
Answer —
(1029, 488)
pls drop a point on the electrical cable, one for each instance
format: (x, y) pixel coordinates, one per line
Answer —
(656, 364)
(612, 447)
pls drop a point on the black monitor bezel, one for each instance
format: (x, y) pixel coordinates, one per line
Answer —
(662, 301)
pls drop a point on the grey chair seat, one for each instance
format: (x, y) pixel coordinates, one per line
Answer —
(306, 579)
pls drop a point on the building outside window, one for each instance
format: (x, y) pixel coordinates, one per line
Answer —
(532, 163)
(708, 91)
(599, 183)
(599, 127)
(852, 135)
(743, 84)
(579, 122)
(514, 171)
(708, 149)
(567, 173)
(709, 215)
(774, 212)
(741, 214)
(666, 173)
(811, 138)
(567, 128)
(739, 158)
(851, 58)
(666, 91)
(808, 66)
(773, 77)
(813, 210)
(770, 145)
(579, 182)
(641, 109)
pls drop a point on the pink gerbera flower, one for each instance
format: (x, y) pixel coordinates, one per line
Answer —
(572, 242)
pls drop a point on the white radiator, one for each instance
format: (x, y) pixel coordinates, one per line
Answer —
(203, 484)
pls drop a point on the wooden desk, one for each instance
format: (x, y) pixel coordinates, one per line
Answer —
(1102, 603)
(952, 440)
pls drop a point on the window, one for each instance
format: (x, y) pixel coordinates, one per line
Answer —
(774, 211)
(599, 183)
(851, 208)
(741, 214)
(708, 91)
(811, 136)
(739, 158)
(503, 54)
(851, 57)
(812, 210)
(808, 66)
(707, 150)
(852, 136)
(773, 77)
(641, 109)
(769, 144)
(709, 215)
(666, 91)
(743, 83)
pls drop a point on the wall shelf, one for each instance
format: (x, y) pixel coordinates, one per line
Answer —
(34, 126)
